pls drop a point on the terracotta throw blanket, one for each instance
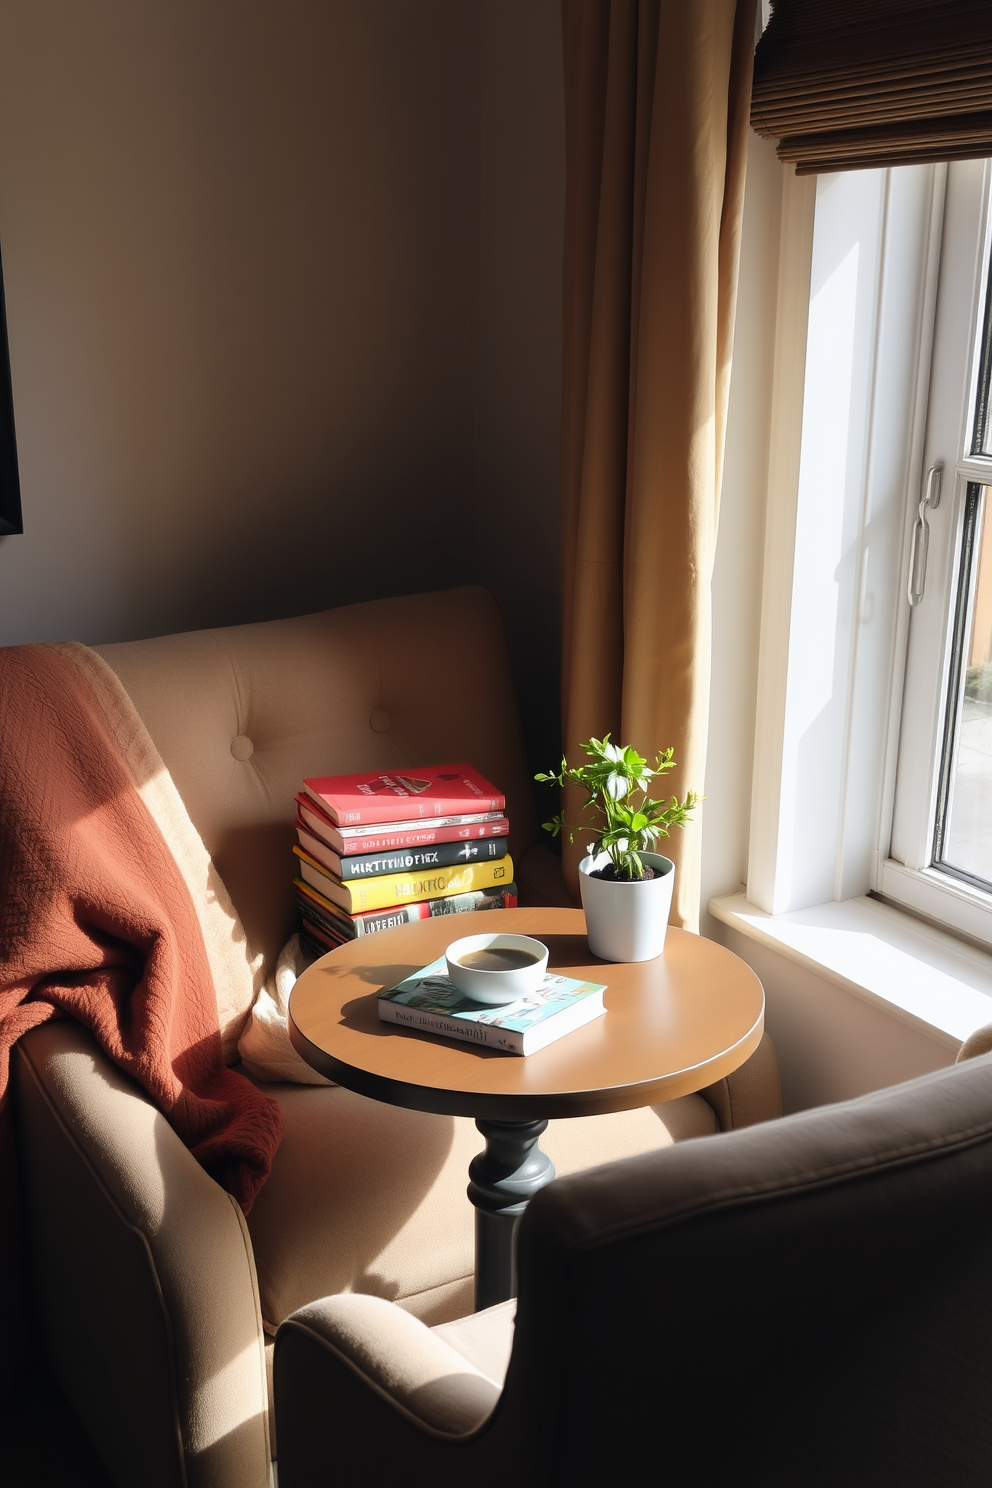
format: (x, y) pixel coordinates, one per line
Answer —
(97, 923)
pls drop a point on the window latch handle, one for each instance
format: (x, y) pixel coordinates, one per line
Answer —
(921, 536)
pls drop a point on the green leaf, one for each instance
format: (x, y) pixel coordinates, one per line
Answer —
(612, 778)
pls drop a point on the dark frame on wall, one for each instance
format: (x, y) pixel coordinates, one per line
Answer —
(10, 483)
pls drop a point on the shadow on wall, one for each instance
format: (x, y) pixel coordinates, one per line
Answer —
(240, 274)
(284, 291)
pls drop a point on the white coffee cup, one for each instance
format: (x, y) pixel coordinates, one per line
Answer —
(474, 966)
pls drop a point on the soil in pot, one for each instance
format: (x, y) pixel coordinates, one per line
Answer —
(610, 874)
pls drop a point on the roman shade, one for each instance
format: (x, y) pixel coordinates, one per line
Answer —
(852, 84)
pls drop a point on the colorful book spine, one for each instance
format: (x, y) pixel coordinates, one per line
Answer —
(334, 922)
(315, 942)
(395, 889)
(353, 840)
(428, 791)
(403, 859)
(403, 834)
(311, 896)
(330, 924)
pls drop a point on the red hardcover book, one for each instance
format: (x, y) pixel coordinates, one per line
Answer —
(396, 834)
(404, 795)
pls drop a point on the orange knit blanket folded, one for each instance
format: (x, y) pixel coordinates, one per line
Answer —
(97, 923)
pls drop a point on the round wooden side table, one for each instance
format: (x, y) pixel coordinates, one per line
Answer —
(672, 1026)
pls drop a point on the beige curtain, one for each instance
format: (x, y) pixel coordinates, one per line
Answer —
(657, 95)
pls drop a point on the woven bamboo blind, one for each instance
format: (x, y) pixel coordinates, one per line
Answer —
(850, 84)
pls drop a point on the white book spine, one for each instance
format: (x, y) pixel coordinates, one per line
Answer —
(469, 1033)
(372, 920)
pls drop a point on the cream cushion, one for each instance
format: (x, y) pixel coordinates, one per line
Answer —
(484, 1339)
(241, 714)
(365, 1197)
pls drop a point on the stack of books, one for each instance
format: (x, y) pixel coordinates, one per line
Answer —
(377, 850)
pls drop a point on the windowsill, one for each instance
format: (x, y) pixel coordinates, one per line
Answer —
(913, 971)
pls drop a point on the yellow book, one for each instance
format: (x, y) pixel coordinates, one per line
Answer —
(358, 895)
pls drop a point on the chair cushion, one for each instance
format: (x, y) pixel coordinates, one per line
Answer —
(484, 1338)
(365, 1197)
(241, 714)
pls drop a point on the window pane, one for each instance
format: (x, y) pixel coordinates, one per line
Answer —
(964, 819)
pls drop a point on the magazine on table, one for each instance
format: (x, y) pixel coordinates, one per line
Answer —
(429, 1001)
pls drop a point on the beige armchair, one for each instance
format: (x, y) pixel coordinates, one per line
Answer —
(806, 1304)
(158, 1302)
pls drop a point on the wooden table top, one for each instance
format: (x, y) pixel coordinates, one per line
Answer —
(672, 1025)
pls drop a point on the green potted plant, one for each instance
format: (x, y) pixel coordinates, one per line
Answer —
(626, 887)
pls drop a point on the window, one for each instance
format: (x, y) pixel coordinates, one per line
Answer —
(939, 860)
(873, 749)
(881, 374)
(858, 273)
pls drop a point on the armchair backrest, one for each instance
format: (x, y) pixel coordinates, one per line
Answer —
(241, 714)
(803, 1302)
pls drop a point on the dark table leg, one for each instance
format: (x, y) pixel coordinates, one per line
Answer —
(503, 1179)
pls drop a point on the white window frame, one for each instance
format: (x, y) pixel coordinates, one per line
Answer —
(834, 616)
(853, 332)
(905, 875)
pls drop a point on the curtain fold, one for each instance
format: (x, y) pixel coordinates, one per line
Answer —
(657, 97)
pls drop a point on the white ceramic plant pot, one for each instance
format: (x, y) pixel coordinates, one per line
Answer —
(627, 921)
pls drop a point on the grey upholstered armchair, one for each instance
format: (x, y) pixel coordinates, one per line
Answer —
(800, 1304)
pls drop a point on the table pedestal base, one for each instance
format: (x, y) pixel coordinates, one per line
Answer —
(503, 1178)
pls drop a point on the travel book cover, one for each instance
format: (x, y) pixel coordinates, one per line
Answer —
(404, 795)
(391, 889)
(430, 1002)
(401, 859)
(385, 837)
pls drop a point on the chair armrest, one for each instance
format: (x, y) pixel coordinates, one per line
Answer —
(144, 1273)
(979, 1042)
(751, 1094)
(393, 1353)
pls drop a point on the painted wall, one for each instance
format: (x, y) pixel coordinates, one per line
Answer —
(831, 1044)
(283, 289)
(519, 184)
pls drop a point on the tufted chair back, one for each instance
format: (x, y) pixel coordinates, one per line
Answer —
(241, 714)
